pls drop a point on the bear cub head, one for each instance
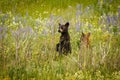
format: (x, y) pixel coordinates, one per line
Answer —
(63, 28)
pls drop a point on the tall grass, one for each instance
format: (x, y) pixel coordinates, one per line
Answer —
(27, 42)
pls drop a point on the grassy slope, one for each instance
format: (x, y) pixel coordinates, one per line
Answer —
(40, 6)
(33, 56)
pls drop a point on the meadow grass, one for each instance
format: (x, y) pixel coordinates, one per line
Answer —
(28, 40)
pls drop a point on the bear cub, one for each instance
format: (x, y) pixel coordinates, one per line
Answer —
(64, 46)
(85, 40)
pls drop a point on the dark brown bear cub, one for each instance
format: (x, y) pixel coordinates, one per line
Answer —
(64, 46)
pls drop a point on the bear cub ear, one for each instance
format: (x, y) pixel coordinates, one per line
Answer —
(67, 24)
(83, 34)
(89, 34)
(59, 24)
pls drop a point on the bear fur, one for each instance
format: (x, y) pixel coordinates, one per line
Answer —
(85, 40)
(64, 46)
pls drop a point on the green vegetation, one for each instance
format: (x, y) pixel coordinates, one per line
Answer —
(28, 38)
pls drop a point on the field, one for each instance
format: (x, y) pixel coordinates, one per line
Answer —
(29, 34)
